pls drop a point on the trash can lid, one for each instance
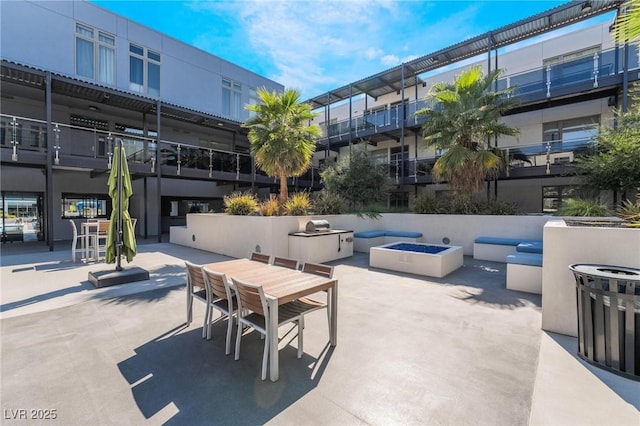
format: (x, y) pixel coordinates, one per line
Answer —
(607, 271)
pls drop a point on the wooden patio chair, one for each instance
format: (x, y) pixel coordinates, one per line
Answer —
(101, 237)
(285, 262)
(259, 257)
(221, 298)
(325, 271)
(251, 297)
(196, 288)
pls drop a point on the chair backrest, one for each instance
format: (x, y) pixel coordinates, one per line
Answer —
(318, 269)
(217, 283)
(194, 275)
(103, 227)
(250, 296)
(286, 262)
(259, 257)
(75, 229)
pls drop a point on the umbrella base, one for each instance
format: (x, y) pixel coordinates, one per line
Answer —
(112, 277)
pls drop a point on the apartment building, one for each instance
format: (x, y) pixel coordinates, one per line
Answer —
(79, 79)
(567, 72)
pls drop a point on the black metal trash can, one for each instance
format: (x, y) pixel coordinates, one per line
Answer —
(609, 317)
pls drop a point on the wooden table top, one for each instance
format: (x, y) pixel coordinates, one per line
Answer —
(282, 283)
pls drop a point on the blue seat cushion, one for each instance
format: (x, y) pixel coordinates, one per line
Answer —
(406, 234)
(531, 259)
(369, 234)
(530, 247)
(499, 241)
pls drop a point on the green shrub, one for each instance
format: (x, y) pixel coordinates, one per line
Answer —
(371, 211)
(500, 207)
(630, 212)
(427, 204)
(242, 204)
(583, 207)
(270, 207)
(326, 202)
(298, 205)
(460, 204)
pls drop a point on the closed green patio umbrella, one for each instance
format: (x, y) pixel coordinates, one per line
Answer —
(121, 240)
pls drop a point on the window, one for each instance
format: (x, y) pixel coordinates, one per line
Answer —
(554, 196)
(231, 98)
(95, 50)
(253, 100)
(85, 206)
(144, 70)
(399, 200)
(574, 131)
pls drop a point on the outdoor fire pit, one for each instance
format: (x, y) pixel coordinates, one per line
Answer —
(434, 260)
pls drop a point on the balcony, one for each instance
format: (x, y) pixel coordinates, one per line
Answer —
(542, 159)
(23, 141)
(598, 73)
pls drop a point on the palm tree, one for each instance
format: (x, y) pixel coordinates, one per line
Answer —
(282, 141)
(462, 118)
(627, 25)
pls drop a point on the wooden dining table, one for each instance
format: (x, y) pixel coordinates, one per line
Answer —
(281, 285)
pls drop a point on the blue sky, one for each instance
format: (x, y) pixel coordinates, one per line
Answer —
(316, 46)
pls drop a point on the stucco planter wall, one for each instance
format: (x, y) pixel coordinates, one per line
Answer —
(565, 245)
(238, 236)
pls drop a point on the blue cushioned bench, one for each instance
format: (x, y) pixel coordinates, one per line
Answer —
(496, 249)
(363, 241)
(530, 259)
(524, 272)
(530, 247)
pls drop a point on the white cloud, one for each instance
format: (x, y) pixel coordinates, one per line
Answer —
(315, 46)
(372, 53)
(390, 60)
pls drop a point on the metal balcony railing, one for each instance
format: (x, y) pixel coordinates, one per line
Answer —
(545, 81)
(21, 134)
(544, 154)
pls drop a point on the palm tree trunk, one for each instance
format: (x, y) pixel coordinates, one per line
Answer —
(284, 191)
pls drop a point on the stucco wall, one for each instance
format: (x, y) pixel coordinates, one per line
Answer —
(238, 236)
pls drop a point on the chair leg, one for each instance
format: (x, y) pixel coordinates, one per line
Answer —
(265, 356)
(189, 306)
(300, 334)
(329, 308)
(229, 331)
(238, 339)
(207, 321)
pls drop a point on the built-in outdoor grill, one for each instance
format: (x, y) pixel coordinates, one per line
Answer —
(319, 225)
(319, 243)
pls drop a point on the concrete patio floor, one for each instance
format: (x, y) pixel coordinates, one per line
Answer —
(411, 350)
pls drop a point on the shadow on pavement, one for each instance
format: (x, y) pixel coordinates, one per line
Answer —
(205, 386)
(626, 389)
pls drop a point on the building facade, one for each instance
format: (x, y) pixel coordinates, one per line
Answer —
(567, 73)
(77, 81)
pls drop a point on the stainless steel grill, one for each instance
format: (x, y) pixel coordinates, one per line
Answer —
(319, 225)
